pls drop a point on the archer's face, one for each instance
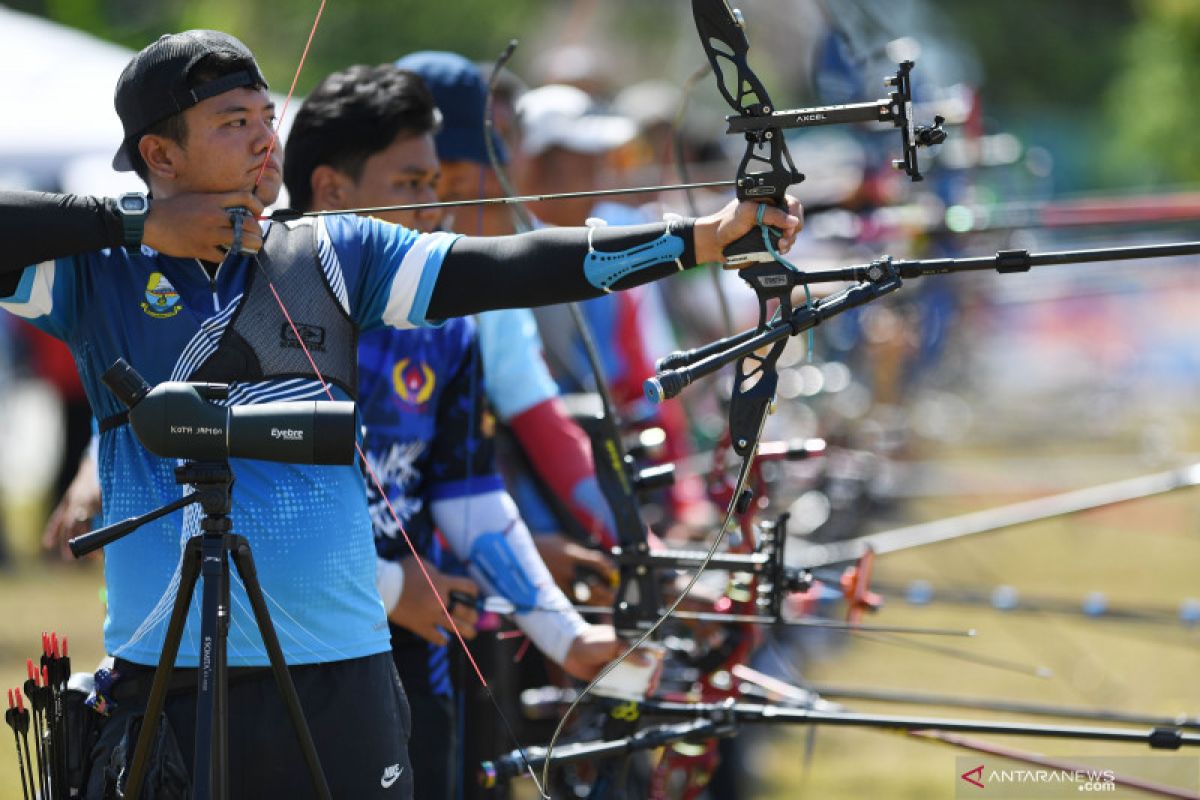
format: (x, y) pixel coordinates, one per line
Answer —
(405, 172)
(467, 180)
(228, 137)
(562, 170)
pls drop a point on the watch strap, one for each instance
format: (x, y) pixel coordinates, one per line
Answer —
(133, 223)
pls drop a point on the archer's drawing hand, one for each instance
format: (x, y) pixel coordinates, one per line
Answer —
(569, 561)
(419, 612)
(715, 232)
(198, 225)
(592, 650)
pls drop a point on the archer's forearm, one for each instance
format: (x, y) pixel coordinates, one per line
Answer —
(485, 531)
(561, 455)
(553, 266)
(38, 226)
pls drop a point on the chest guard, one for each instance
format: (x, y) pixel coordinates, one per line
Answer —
(259, 343)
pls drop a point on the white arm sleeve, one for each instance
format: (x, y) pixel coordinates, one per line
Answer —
(389, 580)
(485, 531)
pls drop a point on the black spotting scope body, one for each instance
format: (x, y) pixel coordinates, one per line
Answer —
(177, 420)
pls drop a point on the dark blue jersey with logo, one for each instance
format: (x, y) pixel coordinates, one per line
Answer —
(427, 438)
(427, 435)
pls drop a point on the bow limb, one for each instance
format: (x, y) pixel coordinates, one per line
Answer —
(522, 218)
(611, 461)
(766, 169)
(723, 37)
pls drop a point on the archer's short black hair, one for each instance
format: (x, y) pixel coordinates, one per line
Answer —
(352, 115)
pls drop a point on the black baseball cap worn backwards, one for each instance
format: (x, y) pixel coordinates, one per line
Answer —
(154, 85)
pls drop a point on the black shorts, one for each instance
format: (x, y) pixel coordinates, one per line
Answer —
(434, 751)
(356, 710)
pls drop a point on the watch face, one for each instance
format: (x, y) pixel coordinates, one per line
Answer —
(133, 203)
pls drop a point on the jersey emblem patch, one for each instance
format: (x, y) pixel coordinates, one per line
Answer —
(414, 383)
(162, 300)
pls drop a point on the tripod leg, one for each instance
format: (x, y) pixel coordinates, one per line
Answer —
(188, 572)
(209, 773)
(220, 751)
(244, 562)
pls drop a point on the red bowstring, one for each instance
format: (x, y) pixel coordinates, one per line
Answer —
(379, 488)
(325, 384)
(291, 91)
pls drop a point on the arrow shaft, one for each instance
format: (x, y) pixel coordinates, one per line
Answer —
(517, 201)
(1004, 706)
(995, 519)
(762, 619)
(763, 713)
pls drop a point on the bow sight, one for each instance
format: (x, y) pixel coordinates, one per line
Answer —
(766, 169)
(896, 108)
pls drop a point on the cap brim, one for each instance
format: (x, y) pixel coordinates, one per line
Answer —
(121, 162)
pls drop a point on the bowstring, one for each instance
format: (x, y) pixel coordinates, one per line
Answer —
(291, 91)
(743, 477)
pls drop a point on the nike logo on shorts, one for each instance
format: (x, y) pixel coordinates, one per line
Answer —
(391, 775)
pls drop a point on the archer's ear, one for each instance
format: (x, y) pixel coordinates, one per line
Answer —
(330, 188)
(161, 155)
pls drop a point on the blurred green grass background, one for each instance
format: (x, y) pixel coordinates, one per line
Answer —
(1142, 553)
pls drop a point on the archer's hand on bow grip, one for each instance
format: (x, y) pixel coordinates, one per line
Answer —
(732, 236)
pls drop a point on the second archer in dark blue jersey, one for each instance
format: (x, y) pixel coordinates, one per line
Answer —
(429, 437)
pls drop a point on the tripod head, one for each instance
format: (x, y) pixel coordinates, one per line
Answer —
(181, 420)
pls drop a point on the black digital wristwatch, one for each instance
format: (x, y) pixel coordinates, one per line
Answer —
(132, 207)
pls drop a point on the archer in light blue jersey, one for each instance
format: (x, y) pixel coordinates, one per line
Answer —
(307, 525)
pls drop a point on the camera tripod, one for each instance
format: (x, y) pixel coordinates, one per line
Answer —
(207, 555)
